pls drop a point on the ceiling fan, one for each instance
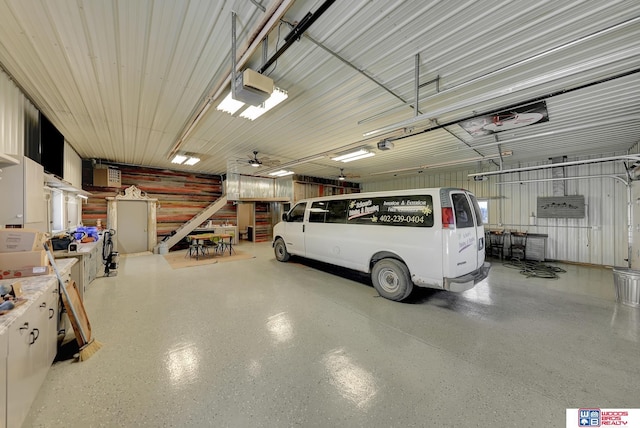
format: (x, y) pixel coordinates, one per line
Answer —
(256, 162)
(344, 176)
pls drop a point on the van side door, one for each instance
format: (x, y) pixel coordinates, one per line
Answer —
(295, 224)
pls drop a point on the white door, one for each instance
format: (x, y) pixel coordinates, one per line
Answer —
(132, 231)
(294, 226)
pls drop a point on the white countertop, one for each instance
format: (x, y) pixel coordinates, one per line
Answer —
(32, 288)
(82, 248)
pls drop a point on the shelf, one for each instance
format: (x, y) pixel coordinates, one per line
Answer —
(6, 160)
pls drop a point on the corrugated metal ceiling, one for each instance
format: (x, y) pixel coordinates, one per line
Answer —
(123, 79)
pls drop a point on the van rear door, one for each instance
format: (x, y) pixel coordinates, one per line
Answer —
(479, 229)
(463, 245)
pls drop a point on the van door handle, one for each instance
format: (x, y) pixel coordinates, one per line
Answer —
(303, 228)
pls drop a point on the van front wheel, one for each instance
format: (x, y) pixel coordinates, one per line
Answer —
(280, 250)
(391, 279)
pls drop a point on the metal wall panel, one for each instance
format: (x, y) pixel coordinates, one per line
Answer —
(18, 117)
(600, 238)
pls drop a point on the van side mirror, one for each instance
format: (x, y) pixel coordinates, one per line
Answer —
(285, 217)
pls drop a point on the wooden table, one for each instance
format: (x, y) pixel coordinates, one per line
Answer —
(211, 236)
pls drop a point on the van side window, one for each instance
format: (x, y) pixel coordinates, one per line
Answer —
(462, 210)
(317, 212)
(337, 212)
(297, 213)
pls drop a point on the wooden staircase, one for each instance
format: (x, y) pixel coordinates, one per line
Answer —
(196, 221)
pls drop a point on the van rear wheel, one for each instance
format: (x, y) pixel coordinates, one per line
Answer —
(391, 279)
(280, 250)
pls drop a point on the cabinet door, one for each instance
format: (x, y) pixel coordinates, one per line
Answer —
(35, 207)
(24, 185)
(96, 261)
(91, 266)
(52, 317)
(12, 185)
(22, 363)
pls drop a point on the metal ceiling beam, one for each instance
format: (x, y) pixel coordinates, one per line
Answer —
(297, 32)
(558, 165)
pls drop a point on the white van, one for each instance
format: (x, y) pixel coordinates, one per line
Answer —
(424, 237)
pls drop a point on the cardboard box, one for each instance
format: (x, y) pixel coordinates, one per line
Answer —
(21, 273)
(23, 259)
(16, 289)
(12, 288)
(12, 240)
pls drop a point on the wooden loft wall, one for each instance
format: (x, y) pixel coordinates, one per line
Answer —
(264, 228)
(312, 187)
(180, 195)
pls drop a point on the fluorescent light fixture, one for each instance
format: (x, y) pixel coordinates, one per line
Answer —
(185, 159)
(281, 173)
(229, 105)
(358, 154)
(277, 96)
(179, 159)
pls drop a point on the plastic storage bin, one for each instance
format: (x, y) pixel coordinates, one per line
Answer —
(627, 286)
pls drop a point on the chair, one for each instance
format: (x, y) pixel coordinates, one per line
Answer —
(518, 247)
(195, 246)
(204, 248)
(213, 243)
(495, 243)
(227, 245)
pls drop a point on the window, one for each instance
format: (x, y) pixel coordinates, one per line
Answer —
(328, 211)
(57, 211)
(297, 213)
(483, 204)
(462, 210)
(317, 212)
(410, 210)
(73, 208)
(337, 211)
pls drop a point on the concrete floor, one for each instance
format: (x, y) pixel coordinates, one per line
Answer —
(257, 343)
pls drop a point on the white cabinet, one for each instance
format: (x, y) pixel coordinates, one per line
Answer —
(93, 262)
(23, 185)
(28, 344)
(27, 358)
(89, 264)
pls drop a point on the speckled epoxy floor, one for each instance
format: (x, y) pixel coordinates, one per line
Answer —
(257, 343)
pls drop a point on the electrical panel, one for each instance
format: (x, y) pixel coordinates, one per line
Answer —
(106, 177)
